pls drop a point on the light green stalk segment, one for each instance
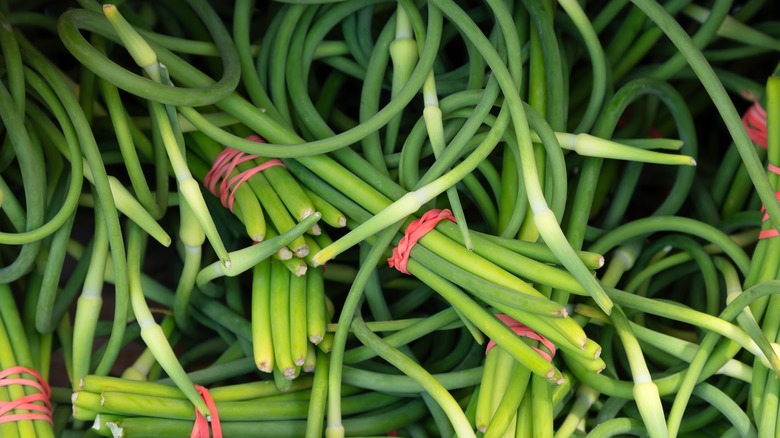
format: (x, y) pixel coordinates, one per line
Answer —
(280, 323)
(586, 396)
(241, 35)
(623, 259)
(319, 395)
(310, 362)
(525, 418)
(236, 392)
(192, 237)
(246, 258)
(315, 305)
(564, 332)
(152, 334)
(262, 341)
(140, 369)
(404, 55)
(541, 393)
(433, 122)
(505, 417)
(590, 146)
(289, 191)
(500, 379)
(405, 206)
(745, 318)
(645, 391)
(298, 338)
(139, 49)
(119, 120)
(669, 144)
(330, 214)
(296, 266)
(483, 414)
(90, 302)
(127, 204)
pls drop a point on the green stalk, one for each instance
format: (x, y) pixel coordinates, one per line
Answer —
(280, 323)
(410, 368)
(262, 341)
(151, 332)
(297, 311)
(721, 100)
(90, 302)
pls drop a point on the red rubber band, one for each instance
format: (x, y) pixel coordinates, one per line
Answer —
(201, 427)
(39, 403)
(225, 163)
(772, 168)
(772, 232)
(522, 330)
(754, 121)
(414, 232)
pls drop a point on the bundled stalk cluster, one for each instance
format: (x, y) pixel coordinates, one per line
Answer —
(353, 218)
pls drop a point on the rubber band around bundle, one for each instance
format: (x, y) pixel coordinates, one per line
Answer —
(771, 232)
(226, 162)
(754, 121)
(522, 330)
(39, 403)
(201, 426)
(414, 232)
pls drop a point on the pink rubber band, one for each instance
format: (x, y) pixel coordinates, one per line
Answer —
(414, 232)
(524, 331)
(754, 121)
(772, 232)
(38, 403)
(201, 427)
(772, 168)
(226, 162)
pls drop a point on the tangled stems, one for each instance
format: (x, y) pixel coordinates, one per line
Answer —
(289, 143)
(151, 332)
(69, 204)
(103, 194)
(720, 98)
(71, 21)
(669, 384)
(544, 218)
(30, 160)
(646, 226)
(335, 428)
(410, 368)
